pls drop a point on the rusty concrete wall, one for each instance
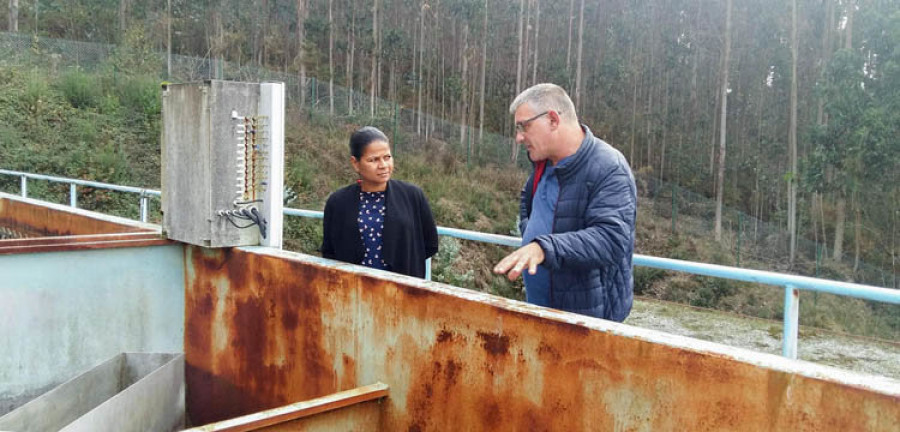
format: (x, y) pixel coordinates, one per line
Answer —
(30, 218)
(265, 328)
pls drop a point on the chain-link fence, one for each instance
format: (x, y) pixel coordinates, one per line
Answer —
(748, 239)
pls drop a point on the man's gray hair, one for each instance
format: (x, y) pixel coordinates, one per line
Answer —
(546, 97)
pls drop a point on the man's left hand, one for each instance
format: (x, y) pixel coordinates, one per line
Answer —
(528, 256)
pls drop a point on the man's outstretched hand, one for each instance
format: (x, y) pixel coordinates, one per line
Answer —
(528, 256)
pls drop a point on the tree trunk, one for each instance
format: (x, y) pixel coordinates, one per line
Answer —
(662, 155)
(331, 57)
(569, 43)
(822, 224)
(840, 216)
(720, 188)
(464, 107)
(792, 137)
(521, 47)
(351, 36)
(13, 16)
(648, 118)
(578, 62)
(537, 38)
(813, 211)
(419, 78)
(376, 43)
(527, 48)
(714, 126)
(894, 237)
(484, 38)
(857, 237)
(851, 9)
(260, 25)
(123, 16)
(168, 37)
(217, 45)
(634, 120)
(825, 56)
(301, 35)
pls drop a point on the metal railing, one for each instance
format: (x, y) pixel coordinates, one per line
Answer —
(792, 284)
(145, 194)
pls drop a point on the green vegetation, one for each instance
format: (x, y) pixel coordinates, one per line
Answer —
(104, 125)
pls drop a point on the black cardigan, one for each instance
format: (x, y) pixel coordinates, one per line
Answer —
(410, 235)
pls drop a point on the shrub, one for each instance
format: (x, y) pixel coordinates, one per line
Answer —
(81, 90)
(644, 277)
(442, 265)
(140, 94)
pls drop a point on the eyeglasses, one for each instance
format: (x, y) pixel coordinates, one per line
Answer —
(522, 125)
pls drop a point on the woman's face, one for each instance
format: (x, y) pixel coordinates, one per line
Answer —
(374, 166)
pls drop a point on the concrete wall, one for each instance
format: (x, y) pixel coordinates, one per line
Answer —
(64, 312)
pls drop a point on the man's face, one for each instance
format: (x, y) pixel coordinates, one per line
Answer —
(533, 130)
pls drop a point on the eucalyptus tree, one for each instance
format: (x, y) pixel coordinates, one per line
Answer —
(13, 16)
(720, 184)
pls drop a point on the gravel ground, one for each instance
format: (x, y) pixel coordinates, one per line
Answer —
(869, 356)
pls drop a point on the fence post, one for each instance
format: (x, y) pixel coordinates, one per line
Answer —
(394, 133)
(313, 94)
(428, 269)
(24, 187)
(468, 145)
(791, 321)
(818, 258)
(674, 206)
(740, 231)
(73, 195)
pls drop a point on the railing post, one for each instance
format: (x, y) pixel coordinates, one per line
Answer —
(791, 321)
(73, 195)
(24, 187)
(144, 206)
(428, 269)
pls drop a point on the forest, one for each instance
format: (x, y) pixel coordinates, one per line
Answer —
(785, 110)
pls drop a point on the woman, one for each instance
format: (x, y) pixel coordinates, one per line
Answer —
(378, 222)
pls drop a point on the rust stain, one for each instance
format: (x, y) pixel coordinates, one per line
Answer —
(494, 343)
(548, 352)
(348, 379)
(78, 245)
(451, 372)
(467, 365)
(35, 220)
(275, 350)
(444, 336)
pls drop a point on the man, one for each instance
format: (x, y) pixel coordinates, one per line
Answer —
(577, 212)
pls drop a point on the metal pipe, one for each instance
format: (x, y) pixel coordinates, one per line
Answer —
(93, 184)
(73, 195)
(865, 292)
(791, 322)
(24, 187)
(304, 213)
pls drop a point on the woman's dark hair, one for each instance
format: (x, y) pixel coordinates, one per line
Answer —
(363, 137)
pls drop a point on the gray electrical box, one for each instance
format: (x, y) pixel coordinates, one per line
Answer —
(222, 163)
